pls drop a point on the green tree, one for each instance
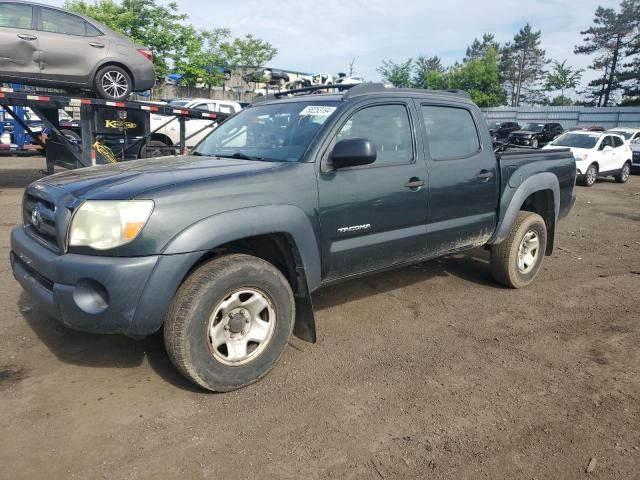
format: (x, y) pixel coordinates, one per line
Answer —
(159, 27)
(248, 55)
(248, 52)
(479, 77)
(561, 101)
(203, 60)
(478, 49)
(522, 66)
(398, 74)
(429, 73)
(562, 77)
(613, 36)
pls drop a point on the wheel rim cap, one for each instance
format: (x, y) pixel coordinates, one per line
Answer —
(241, 326)
(528, 252)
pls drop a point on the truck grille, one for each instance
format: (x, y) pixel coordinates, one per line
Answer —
(39, 220)
(636, 158)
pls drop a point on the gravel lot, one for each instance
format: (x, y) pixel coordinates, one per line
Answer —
(431, 371)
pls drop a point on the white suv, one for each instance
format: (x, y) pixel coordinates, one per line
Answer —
(597, 154)
(630, 135)
(195, 129)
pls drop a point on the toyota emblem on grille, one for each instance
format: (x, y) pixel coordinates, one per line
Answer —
(36, 216)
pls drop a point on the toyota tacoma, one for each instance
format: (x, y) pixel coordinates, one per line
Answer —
(222, 249)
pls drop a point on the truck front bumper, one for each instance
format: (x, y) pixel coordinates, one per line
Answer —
(128, 295)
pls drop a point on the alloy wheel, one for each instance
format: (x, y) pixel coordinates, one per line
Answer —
(115, 84)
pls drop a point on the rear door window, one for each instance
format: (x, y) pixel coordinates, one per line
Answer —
(16, 15)
(54, 21)
(451, 132)
(92, 31)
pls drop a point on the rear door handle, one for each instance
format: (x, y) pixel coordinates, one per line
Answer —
(96, 44)
(485, 175)
(415, 183)
(24, 36)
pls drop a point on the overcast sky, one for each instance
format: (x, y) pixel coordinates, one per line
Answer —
(324, 36)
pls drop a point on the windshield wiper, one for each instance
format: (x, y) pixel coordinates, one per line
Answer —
(240, 156)
(199, 154)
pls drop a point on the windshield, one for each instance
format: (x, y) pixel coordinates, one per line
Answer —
(576, 140)
(493, 125)
(626, 135)
(279, 132)
(533, 127)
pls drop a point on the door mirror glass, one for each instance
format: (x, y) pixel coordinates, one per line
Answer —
(353, 152)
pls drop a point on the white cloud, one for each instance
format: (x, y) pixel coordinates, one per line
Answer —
(325, 36)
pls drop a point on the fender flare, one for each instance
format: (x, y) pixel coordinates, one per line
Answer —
(513, 198)
(232, 225)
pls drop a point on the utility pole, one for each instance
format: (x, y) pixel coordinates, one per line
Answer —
(351, 66)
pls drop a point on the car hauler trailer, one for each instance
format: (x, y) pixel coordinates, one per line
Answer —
(123, 126)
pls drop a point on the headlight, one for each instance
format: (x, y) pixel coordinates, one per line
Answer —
(581, 157)
(105, 224)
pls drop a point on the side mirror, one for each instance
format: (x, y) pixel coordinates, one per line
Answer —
(353, 152)
(608, 148)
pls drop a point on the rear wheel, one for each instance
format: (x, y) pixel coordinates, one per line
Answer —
(516, 261)
(113, 83)
(229, 322)
(625, 171)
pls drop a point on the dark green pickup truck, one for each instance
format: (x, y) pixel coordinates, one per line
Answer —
(223, 247)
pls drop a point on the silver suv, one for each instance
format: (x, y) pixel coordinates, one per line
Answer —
(50, 47)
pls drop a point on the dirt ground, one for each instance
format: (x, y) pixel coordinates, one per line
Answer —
(426, 372)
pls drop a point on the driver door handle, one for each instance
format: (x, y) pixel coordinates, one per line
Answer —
(24, 36)
(485, 175)
(96, 44)
(415, 183)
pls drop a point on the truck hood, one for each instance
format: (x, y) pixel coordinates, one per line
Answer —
(140, 178)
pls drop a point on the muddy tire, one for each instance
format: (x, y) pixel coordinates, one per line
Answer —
(516, 261)
(229, 322)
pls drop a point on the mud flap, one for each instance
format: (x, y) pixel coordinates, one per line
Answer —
(305, 326)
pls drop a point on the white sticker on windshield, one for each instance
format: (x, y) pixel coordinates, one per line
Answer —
(317, 110)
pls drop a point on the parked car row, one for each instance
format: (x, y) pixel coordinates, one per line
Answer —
(598, 152)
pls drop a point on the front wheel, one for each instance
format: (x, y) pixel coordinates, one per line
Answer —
(516, 261)
(229, 322)
(535, 143)
(590, 176)
(624, 174)
(113, 83)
